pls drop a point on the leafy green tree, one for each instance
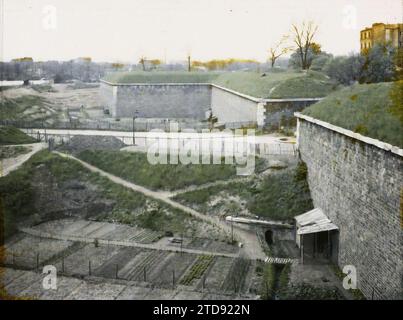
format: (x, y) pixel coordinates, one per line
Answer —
(345, 69)
(379, 65)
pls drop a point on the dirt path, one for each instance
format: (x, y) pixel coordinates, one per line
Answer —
(153, 246)
(251, 244)
(8, 165)
(210, 184)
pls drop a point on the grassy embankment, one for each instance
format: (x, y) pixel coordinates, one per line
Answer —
(7, 152)
(279, 196)
(275, 85)
(18, 193)
(373, 110)
(11, 135)
(26, 107)
(134, 167)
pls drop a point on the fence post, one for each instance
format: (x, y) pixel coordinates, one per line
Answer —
(63, 264)
(117, 270)
(37, 261)
(89, 267)
(145, 274)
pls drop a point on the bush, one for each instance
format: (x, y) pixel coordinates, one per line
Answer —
(345, 70)
(379, 65)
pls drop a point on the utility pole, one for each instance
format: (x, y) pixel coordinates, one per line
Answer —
(134, 119)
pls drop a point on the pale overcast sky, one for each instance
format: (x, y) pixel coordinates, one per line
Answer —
(123, 30)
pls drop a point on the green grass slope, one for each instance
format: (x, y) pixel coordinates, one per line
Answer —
(275, 85)
(11, 135)
(278, 85)
(135, 167)
(279, 196)
(373, 110)
(19, 193)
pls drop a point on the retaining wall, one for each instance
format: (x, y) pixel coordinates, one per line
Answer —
(157, 100)
(357, 182)
(194, 101)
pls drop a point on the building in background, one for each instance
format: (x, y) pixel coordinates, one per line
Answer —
(382, 33)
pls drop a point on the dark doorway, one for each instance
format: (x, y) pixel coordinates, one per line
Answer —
(269, 237)
(321, 246)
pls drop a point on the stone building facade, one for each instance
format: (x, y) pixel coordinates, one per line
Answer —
(196, 101)
(358, 184)
(382, 33)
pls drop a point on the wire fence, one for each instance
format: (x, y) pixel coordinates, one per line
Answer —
(146, 271)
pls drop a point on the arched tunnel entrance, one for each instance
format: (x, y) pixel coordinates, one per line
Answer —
(269, 237)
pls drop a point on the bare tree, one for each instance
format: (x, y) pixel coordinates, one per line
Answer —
(278, 50)
(303, 38)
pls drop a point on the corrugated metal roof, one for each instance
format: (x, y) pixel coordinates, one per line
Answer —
(314, 221)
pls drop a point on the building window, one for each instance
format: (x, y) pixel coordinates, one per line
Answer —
(387, 35)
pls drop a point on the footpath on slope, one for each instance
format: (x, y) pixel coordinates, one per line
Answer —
(9, 165)
(251, 244)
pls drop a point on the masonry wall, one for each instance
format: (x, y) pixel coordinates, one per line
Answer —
(229, 107)
(281, 113)
(359, 187)
(108, 95)
(159, 100)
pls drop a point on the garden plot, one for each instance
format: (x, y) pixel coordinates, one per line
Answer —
(160, 294)
(125, 271)
(78, 263)
(235, 280)
(65, 286)
(145, 266)
(146, 236)
(99, 230)
(8, 275)
(56, 226)
(188, 295)
(22, 282)
(96, 291)
(117, 262)
(133, 293)
(73, 227)
(25, 252)
(217, 274)
(88, 229)
(119, 233)
(169, 272)
(197, 270)
(103, 231)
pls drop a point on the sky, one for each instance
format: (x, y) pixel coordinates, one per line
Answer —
(124, 30)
